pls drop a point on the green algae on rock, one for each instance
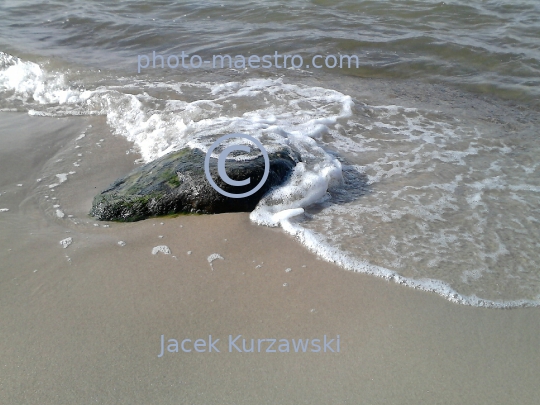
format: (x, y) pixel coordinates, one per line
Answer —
(176, 183)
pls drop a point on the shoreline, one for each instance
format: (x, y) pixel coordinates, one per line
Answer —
(83, 324)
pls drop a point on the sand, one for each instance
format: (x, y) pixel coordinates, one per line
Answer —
(82, 324)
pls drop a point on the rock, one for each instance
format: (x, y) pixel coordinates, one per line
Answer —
(176, 183)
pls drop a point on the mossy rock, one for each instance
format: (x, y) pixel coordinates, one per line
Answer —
(176, 183)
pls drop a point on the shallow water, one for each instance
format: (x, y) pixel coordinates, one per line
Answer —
(419, 166)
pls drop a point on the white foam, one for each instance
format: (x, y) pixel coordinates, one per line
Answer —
(30, 82)
(161, 249)
(157, 133)
(304, 188)
(62, 178)
(66, 242)
(213, 257)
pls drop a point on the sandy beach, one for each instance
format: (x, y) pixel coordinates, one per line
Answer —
(82, 324)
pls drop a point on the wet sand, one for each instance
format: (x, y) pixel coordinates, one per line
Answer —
(82, 325)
